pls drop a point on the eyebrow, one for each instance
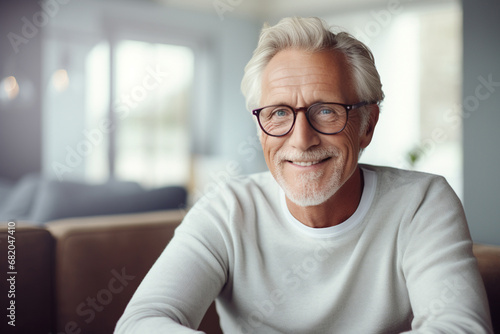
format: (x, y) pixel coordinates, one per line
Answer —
(306, 106)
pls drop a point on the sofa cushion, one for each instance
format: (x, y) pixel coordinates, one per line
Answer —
(5, 188)
(104, 259)
(56, 200)
(488, 258)
(18, 203)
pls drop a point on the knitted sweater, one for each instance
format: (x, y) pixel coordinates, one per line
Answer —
(402, 262)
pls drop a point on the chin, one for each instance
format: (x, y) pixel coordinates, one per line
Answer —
(306, 201)
(309, 189)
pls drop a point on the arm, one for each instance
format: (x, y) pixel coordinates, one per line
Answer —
(445, 288)
(182, 284)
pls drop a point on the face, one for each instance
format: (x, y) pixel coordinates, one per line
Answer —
(311, 167)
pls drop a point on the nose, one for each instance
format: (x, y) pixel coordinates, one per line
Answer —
(303, 136)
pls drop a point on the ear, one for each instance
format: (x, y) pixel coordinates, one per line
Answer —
(367, 135)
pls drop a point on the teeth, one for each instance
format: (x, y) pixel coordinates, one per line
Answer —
(305, 164)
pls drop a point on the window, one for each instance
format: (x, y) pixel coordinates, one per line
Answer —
(417, 51)
(97, 110)
(148, 141)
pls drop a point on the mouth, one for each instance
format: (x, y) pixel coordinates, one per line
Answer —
(307, 163)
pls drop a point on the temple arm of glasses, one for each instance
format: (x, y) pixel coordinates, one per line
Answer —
(359, 105)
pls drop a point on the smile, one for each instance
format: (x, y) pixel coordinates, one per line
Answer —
(307, 163)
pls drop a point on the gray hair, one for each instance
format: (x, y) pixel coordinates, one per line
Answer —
(312, 35)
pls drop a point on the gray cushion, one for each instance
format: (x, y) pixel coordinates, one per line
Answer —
(65, 199)
(6, 187)
(19, 202)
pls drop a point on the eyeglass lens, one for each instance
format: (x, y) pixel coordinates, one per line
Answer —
(325, 118)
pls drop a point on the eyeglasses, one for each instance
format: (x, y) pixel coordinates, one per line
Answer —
(328, 118)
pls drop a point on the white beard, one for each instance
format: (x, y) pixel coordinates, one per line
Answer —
(307, 189)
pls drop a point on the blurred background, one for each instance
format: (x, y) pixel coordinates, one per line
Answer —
(148, 91)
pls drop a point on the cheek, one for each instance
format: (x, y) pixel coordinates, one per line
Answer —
(269, 148)
(352, 136)
(348, 144)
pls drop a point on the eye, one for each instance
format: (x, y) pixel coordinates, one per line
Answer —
(326, 111)
(280, 112)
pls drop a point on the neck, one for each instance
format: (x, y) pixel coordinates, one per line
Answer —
(336, 209)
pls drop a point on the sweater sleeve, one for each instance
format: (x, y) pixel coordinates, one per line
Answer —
(181, 285)
(445, 288)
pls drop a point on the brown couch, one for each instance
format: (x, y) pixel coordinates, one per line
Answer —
(77, 275)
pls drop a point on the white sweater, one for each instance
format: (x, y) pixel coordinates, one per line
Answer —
(402, 262)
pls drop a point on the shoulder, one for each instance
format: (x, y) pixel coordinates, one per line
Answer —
(416, 197)
(412, 191)
(391, 179)
(220, 218)
(419, 207)
(235, 198)
(238, 188)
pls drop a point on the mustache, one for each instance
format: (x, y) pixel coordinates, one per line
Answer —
(316, 154)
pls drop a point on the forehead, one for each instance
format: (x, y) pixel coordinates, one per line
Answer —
(294, 72)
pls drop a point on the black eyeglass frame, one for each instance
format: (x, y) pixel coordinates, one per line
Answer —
(347, 107)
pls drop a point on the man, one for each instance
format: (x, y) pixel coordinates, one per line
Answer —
(320, 244)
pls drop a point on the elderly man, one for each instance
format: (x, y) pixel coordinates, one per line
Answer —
(320, 244)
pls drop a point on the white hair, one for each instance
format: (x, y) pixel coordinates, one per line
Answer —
(312, 35)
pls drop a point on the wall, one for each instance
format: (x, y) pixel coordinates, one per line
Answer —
(481, 123)
(223, 131)
(20, 132)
